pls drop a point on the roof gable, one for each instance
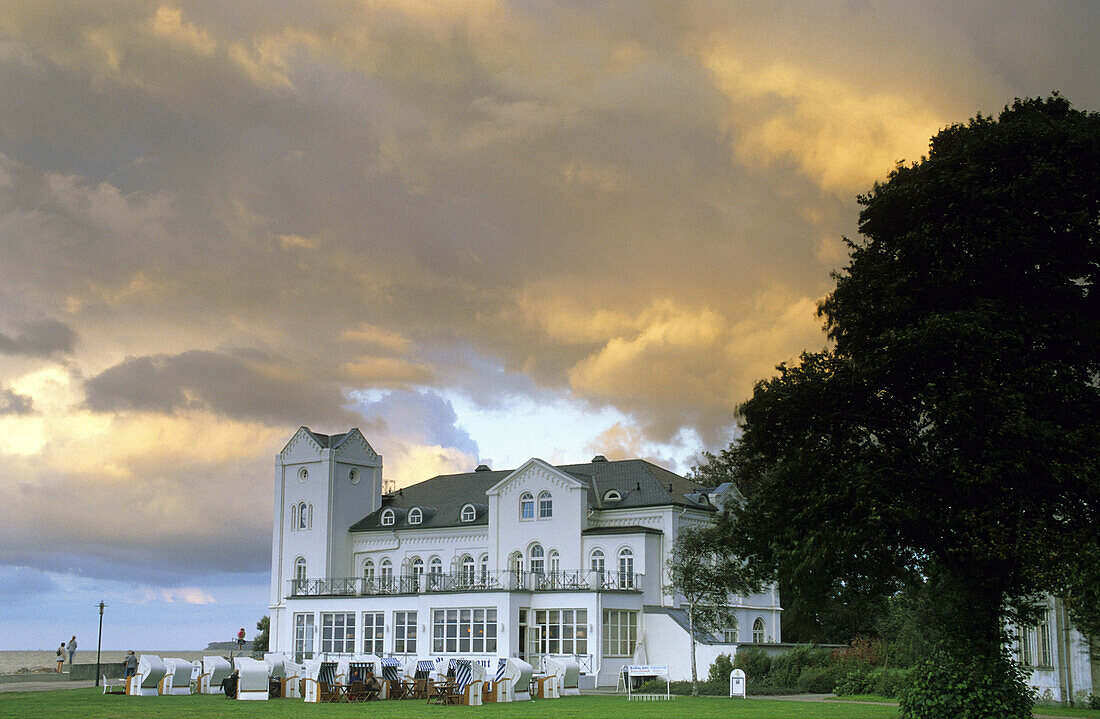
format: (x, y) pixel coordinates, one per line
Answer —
(532, 469)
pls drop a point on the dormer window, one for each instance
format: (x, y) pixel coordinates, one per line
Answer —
(387, 517)
(526, 506)
(469, 514)
(415, 516)
(612, 495)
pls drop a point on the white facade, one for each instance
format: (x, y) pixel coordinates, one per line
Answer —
(533, 562)
(1060, 661)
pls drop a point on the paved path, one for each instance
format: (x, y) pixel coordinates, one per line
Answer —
(43, 686)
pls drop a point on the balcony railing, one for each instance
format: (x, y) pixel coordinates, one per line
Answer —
(505, 581)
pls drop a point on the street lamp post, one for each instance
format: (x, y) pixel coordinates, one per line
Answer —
(99, 644)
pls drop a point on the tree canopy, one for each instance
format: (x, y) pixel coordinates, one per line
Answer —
(952, 429)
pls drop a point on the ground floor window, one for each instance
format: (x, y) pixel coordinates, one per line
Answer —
(464, 630)
(620, 632)
(303, 637)
(404, 632)
(562, 631)
(373, 631)
(338, 632)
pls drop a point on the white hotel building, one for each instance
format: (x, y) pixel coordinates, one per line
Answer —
(541, 560)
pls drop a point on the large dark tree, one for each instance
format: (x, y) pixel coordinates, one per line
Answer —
(950, 436)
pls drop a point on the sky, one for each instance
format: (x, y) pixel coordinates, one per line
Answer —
(480, 231)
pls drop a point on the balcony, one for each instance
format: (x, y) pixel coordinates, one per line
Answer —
(503, 581)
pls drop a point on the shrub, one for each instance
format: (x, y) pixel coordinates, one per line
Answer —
(1094, 701)
(720, 670)
(786, 668)
(855, 682)
(818, 680)
(861, 654)
(943, 687)
(888, 682)
(754, 662)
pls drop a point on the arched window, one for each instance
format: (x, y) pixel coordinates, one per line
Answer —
(484, 567)
(294, 517)
(368, 572)
(309, 517)
(612, 495)
(467, 570)
(415, 515)
(387, 517)
(515, 562)
(526, 506)
(546, 505)
(304, 514)
(758, 631)
(385, 573)
(597, 560)
(555, 561)
(436, 566)
(417, 572)
(538, 561)
(469, 514)
(300, 569)
(626, 568)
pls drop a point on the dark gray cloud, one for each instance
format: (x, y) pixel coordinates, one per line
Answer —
(13, 403)
(39, 338)
(227, 384)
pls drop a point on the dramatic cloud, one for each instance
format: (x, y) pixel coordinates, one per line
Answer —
(39, 339)
(12, 403)
(474, 228)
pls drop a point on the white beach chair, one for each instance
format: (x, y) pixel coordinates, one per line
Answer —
(146, 681)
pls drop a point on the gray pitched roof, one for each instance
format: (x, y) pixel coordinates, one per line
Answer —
(327, 441)
(639, 483)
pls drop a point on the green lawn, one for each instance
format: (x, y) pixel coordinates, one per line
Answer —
(90, 704)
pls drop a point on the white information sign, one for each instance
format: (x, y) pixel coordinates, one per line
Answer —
(738, 683)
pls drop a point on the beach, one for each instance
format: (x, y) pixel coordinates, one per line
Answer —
(13, 661)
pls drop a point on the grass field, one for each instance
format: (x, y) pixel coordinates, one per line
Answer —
(90, 704)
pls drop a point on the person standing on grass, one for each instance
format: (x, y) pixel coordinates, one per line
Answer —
(60, 657)
(130, 663)
(72, 650)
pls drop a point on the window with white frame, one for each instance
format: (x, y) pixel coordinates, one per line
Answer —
(415, 515)
(469, 514)
(404, 632)
(758, 631)
(467, 570)
(526, 506)
(303, 637)
(564, 631)
(368, 570)
(515, 562)
(1044, 656)
(385, 573)
(417, 568)
(626, 568)
(546, 505)
(555, 561)
(338, 632)
(597, 563)
(729, 635)
(484, 567)
(612, 495)
(294, 518)
(300, 569)
(464, 630)
(436, 566)
(620, 632)
(387, 517)
(538, 559)
(374, 629)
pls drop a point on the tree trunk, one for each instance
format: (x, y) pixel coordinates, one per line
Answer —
(691, 631)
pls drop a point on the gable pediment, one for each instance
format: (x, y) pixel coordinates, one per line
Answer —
(534, 473)
(355, 448)
(302, 447)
